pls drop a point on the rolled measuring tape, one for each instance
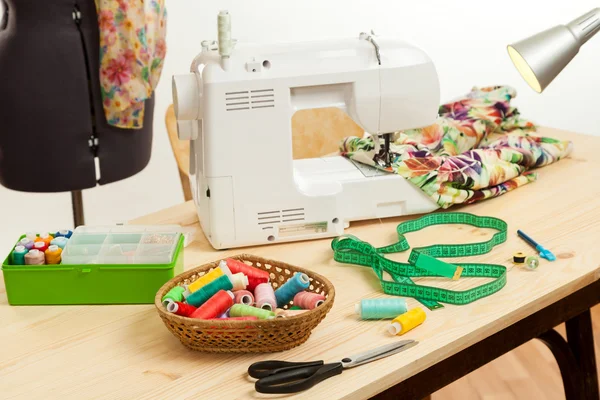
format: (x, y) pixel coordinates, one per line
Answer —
(519, 258)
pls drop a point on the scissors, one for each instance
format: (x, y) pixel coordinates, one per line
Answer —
(291, 377)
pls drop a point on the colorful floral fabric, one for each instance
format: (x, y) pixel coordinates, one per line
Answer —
(132, 50)
(478, 148)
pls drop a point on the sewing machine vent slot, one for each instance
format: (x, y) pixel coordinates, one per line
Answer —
(267, 218)
(249, 99)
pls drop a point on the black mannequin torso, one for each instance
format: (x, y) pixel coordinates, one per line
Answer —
(51, 102)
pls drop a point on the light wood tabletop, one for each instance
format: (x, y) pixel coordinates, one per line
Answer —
(126, 352)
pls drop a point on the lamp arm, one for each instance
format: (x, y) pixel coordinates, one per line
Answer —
(586, 26)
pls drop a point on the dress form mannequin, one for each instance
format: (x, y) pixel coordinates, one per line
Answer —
(53, 128)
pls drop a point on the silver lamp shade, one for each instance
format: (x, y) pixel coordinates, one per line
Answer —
(541, 57)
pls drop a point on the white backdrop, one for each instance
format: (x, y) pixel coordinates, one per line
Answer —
(467, 40)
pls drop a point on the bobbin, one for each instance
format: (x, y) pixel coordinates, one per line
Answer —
(519, 257)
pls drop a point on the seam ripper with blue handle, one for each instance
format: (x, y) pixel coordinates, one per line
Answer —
(544, 253)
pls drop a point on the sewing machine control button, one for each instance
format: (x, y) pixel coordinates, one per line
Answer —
(254, 66)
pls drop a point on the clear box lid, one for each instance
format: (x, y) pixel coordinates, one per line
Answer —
(123, 244)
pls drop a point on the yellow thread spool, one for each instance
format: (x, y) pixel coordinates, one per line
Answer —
(407, 321)
(205, 279)
(53, 255)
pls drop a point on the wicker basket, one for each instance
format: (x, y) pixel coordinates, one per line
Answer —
(247, 336)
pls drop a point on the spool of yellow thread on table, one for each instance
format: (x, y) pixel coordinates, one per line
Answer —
(407, 321)
(53, 255)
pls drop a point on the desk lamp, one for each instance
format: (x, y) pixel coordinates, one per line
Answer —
(541, 57)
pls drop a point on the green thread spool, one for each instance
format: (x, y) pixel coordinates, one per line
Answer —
(380, 308)
(296, 308)
(175, 294)
(207, 291)
(243, 310)
(18, 255)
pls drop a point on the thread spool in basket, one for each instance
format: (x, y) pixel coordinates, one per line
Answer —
(53, 255)
(388, 308)
(255, 276)
(280, 313)
(205, 279)
(179, 308)
(239, 281)
(297, 283)
(202, 295)
(243, 297)
(175, 295)
(34, 257)
(242, 310)
(31, 236)
(215, 306)
(248, 318)
(265, 297)
(18, 255)
(308, 300)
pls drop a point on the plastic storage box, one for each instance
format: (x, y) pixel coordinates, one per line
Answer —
(101, 265)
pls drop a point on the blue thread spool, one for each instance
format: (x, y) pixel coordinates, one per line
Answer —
(288, 290)
(18, 255)
(64, 233)
(60, 241)
(380, 308)
(207, 291)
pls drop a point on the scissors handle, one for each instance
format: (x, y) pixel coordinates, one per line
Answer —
(263, 369)
(297, 379)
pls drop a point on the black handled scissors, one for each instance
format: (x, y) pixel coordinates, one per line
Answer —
(291, 377)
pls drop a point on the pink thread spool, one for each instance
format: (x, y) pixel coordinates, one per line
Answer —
(308, 300)
(249, 318)
(243, 297)
(265, 297)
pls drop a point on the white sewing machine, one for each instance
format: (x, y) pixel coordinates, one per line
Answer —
(236, 107)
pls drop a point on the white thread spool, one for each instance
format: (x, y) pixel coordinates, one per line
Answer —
(224, 34)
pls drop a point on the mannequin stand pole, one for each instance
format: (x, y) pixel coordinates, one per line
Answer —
(77, 201)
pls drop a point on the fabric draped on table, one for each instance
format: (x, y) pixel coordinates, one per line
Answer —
(132, 52)
(479, 147)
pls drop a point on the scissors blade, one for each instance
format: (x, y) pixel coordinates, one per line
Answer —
(377, 353)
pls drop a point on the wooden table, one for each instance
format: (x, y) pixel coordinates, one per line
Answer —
(126, 352)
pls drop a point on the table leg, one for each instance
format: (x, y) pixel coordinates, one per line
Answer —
(575, 357)
(580, 336)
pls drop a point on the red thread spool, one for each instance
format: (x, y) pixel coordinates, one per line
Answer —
(40, 245)
(179, 308)
(249, 318)
(308, 300)
(255, 276)
(243, 297)
(215, 306)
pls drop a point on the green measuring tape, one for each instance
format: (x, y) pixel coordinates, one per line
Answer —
(423, 261)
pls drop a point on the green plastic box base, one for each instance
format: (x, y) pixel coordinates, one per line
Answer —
(88, 284)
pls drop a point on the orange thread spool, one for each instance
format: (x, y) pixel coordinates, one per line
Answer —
(44, 237)
(53, 255)
(214, 306)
